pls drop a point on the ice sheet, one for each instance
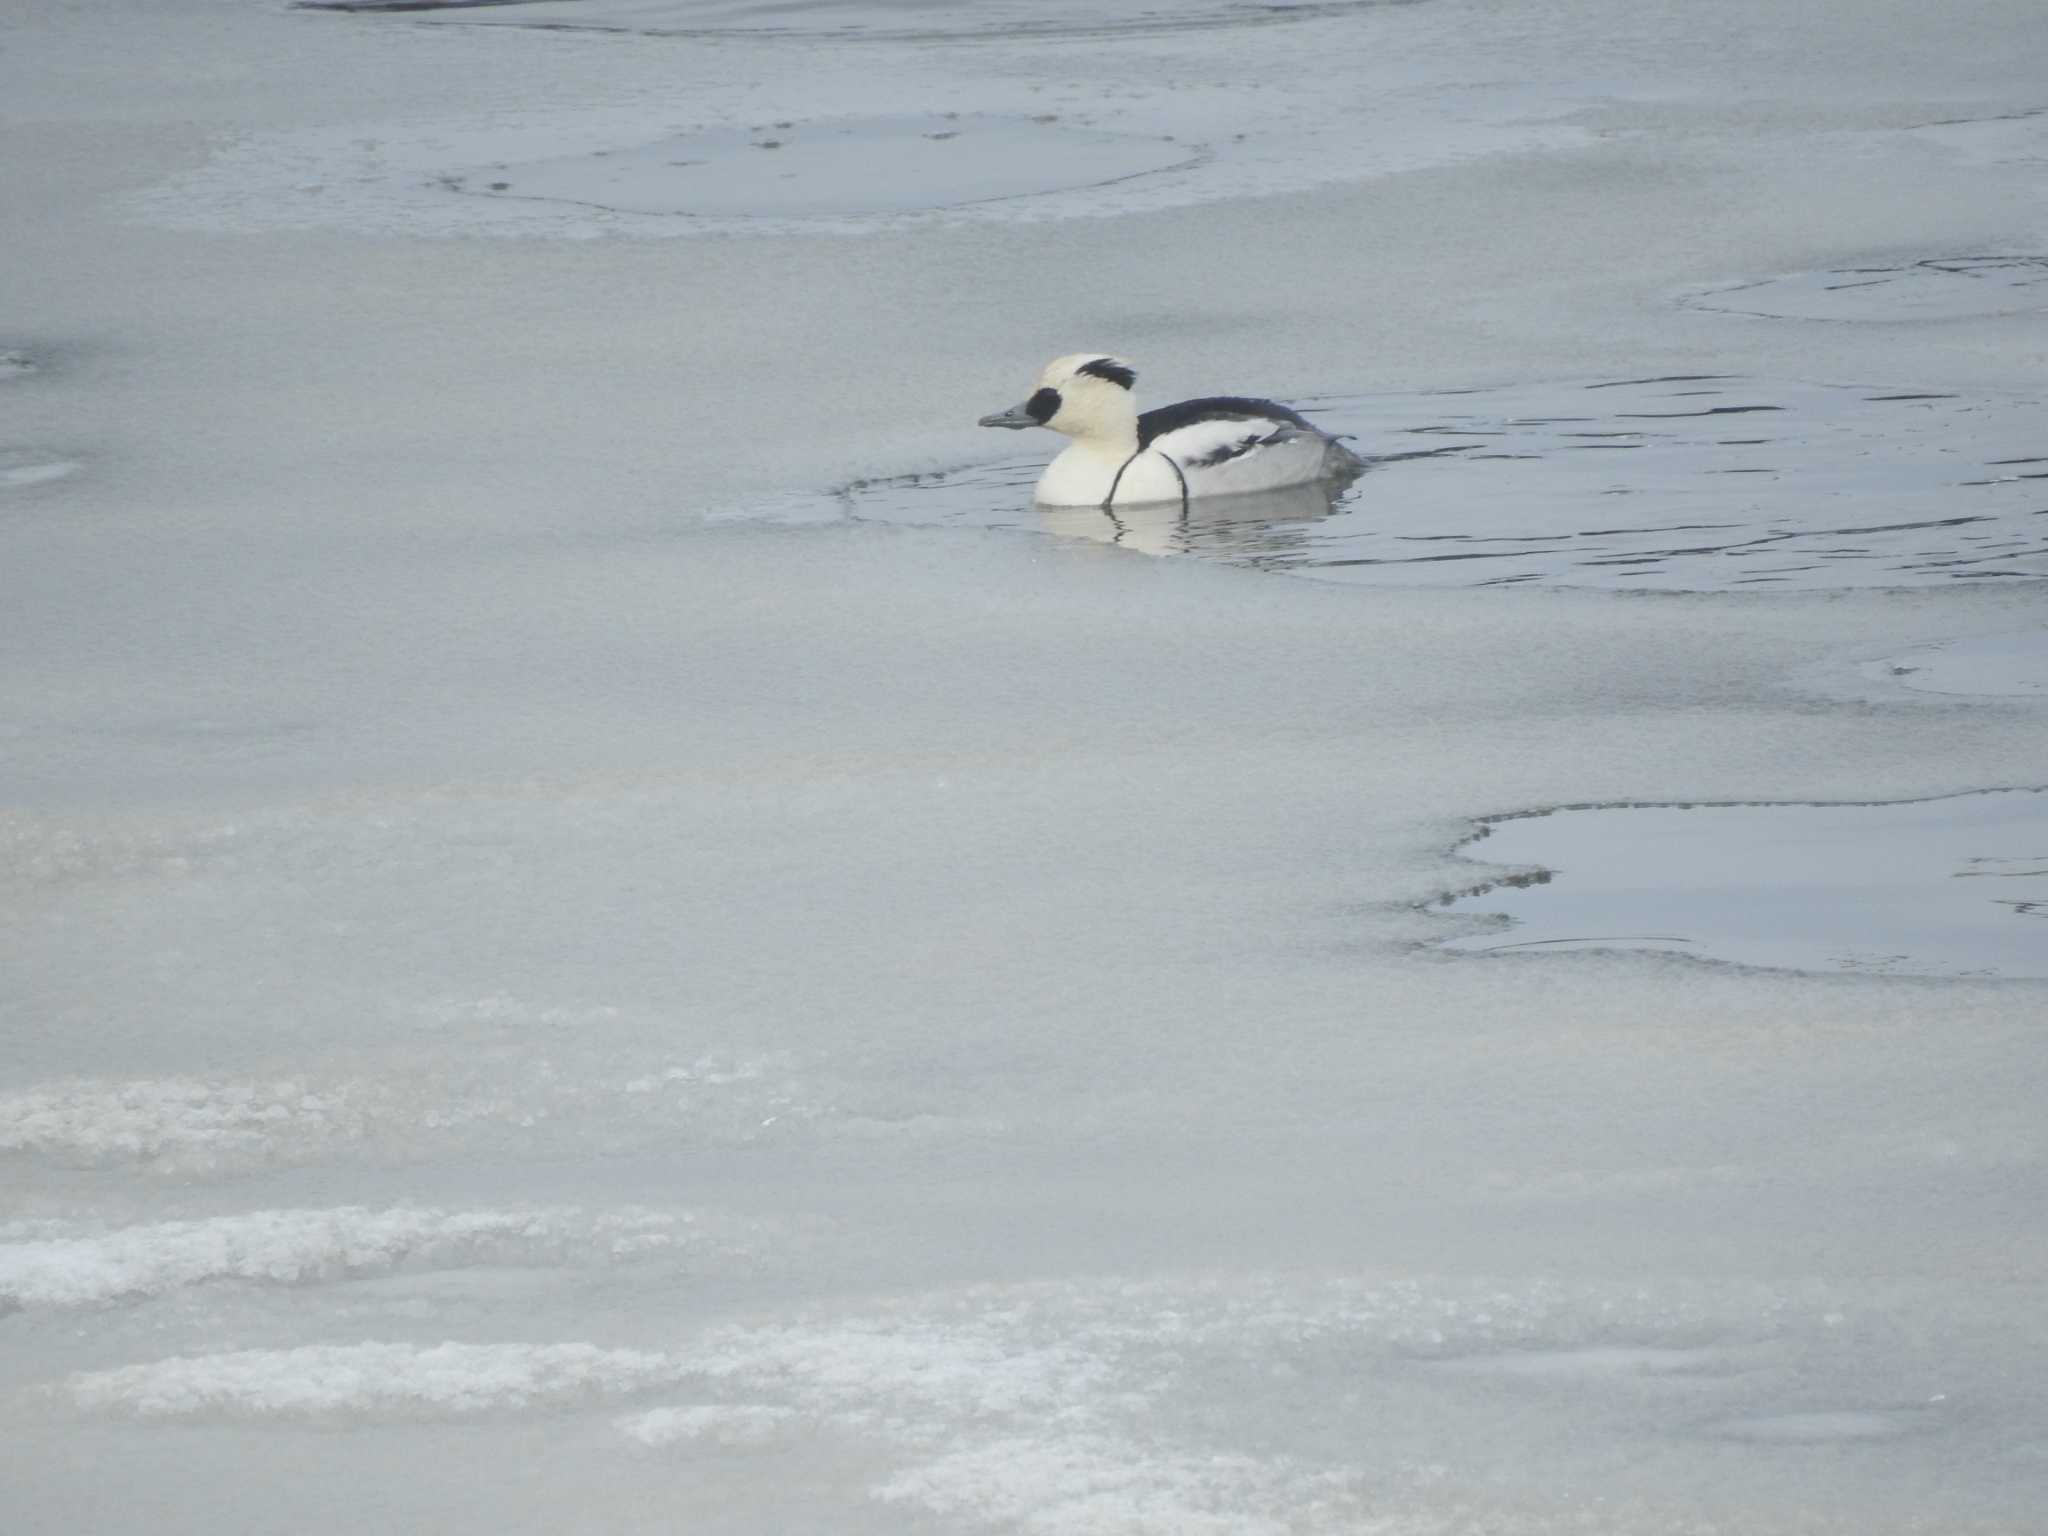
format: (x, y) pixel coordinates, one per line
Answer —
(58, 1268)
(872, 165)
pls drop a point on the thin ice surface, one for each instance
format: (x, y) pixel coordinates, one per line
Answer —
(1085, 111)
(874, 165)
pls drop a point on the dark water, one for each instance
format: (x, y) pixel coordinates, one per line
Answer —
(1949, 887)
(1675, 484)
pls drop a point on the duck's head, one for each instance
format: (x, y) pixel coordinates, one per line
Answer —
(1085, 395)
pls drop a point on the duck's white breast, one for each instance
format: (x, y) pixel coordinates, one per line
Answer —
(1081, 477)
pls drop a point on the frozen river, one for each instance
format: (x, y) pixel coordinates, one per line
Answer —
(606, 932)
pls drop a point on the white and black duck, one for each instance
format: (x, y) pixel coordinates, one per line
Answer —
(1225, 445)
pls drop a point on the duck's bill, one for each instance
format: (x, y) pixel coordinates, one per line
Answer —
(1016, 418)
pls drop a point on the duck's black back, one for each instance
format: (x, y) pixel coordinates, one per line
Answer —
(1171, 418)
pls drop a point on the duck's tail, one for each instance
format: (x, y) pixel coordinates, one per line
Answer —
(1340, 462)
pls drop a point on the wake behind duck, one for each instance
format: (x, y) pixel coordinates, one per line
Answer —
(1224, 445)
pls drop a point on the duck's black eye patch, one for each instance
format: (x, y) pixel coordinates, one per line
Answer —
(1043, 406)
(1109, 368)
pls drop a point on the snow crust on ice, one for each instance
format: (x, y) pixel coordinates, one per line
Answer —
(1082, 1407)
(718, 1424)
(319, 1379)
(1114, 1405)
(20, 468)
(180, 1125)
(170, 1117)
(295, 1247)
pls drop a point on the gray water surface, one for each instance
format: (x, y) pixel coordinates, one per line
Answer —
(1951, 887)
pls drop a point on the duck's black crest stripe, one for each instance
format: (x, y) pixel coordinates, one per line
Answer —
(1109, 368)
(1171, 418)
(1043, 406)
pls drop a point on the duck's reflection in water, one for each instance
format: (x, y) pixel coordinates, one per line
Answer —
(1255, 527)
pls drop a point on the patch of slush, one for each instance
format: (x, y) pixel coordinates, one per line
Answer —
(1063, 1408)
(846, 168)
(518, 1038)
(1948, 887)
(716, 1424)
(403, 1380)
(2010, 666)
(298, 1247)
(1593, 1362)
(1940, 288)
(185, 1125)
(1071, 1408)
(1671, 484)
(24, 467)
(1829, 1426)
